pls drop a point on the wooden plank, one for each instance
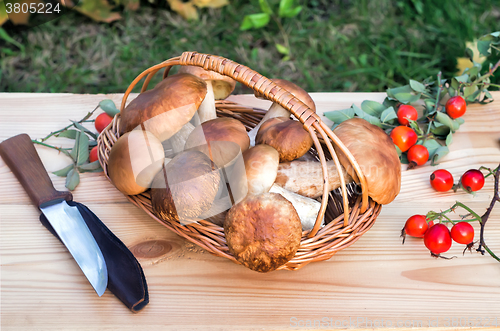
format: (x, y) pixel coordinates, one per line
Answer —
(375, 279)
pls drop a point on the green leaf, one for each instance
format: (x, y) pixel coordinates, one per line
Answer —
(449, 139)
(71, 134)
(109, 107)
(64, 171)
(339, 116)
(72, 179)
(389, 103)
(473, 96)
(407, 98)
(388, 115)
(370, 118)
(398, 150)
(440, 152)
(483, 46)
(282, 49)
(286, 9)
(460, 121)
(80, 151)
(469, 90)
(246, 24)
(90, 167)
(265, 7)
(440, 129)
(462, 79)
(417, 86)
(84, 129)
(258, 21)
(391, 92)
(432, 146)
(445, 120)
(415, 127)
(292, 13)
(372, 107)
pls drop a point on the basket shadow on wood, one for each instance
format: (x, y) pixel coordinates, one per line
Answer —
(348, 211)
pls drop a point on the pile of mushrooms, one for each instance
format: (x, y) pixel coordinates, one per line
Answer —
(261, 186)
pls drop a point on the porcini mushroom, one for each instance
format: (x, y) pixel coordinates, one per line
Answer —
(276, 110)
(164, 109)
(306, 177)
(222, 139)
(287, 136)
(134, 160)
(185, 188)
(263, 232)
(376, 155)
(258, 176)
(218, 87)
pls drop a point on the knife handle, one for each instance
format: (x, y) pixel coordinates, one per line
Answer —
(20, 155)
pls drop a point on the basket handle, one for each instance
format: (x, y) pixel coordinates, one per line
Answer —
(273, 92)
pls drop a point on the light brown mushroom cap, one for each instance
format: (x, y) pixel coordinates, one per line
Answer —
(263, 232)
(134, 160)
(376, 155)
(258, 173)
(185, 188)
(164, 109)
(222, 139)
(294, 89)
(287, 136)
(222, 85)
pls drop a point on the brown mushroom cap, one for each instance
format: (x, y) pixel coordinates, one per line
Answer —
(287, 136)
(258, 173)
(222, 85)
(222, 139)
(134, 160)
(376, 155)
(185, 188)
(296, 90)
(263, 232)
(164, 109)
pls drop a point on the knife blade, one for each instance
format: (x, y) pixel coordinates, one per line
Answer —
(21, 157)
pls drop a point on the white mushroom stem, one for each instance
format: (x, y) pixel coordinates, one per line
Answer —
(207, 111)
(306, 177)
(178, 140)
(306, 208)
(274, 111)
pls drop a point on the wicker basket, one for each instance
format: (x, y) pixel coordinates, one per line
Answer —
(348, 212)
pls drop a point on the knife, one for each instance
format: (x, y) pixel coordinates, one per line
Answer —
(20, 155)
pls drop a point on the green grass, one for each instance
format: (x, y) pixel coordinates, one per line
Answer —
(356, 45)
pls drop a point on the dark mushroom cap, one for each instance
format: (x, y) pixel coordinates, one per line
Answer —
(164, 109)
(263, 232)
(287, 136)
(376, 155)
(222, 139)
(185, 188)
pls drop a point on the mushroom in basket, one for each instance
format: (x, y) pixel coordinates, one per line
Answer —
(276, 110)
(258, 175)
(219, 87)
(287, 136)
(185, 188)
(373, 150)
(134, 160)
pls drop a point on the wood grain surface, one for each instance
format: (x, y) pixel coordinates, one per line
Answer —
(377, 282)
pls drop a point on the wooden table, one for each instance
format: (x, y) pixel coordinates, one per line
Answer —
(377, 282)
